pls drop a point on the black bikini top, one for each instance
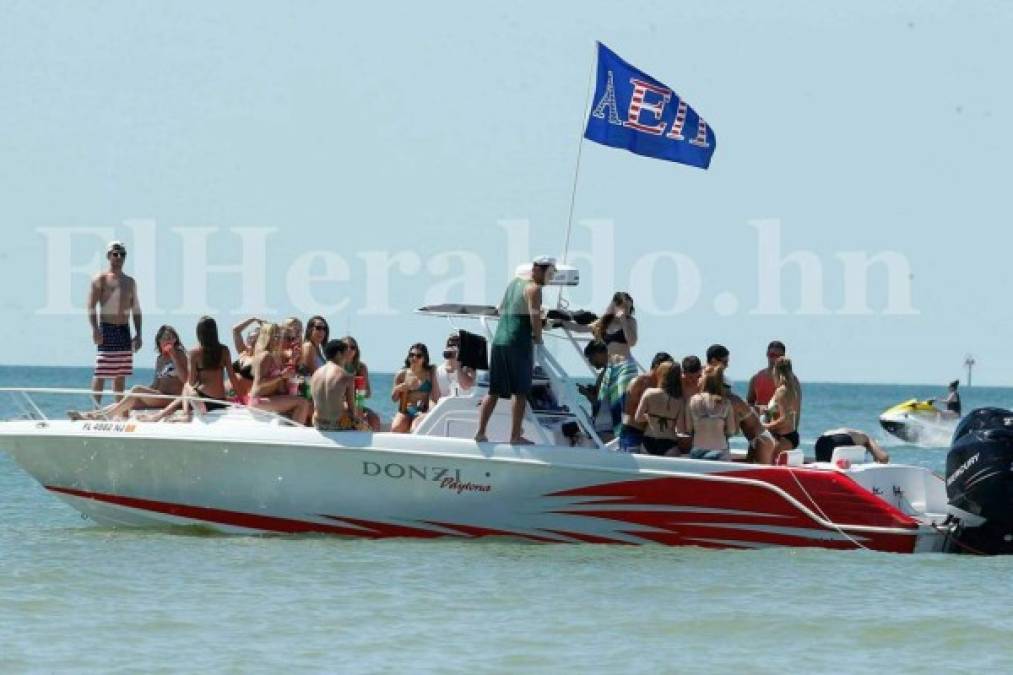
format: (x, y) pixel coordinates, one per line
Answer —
(619, 337)
(245, 372)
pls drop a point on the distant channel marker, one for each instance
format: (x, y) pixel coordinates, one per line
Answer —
(726, 304)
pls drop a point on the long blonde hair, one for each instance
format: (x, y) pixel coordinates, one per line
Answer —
(784, 376)
(265, 338)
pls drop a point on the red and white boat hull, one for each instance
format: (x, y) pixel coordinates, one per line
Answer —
(298, 480)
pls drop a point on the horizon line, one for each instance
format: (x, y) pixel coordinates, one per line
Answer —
(385, 372)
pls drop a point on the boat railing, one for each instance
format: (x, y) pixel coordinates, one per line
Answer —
(29, 409)
(566, 390)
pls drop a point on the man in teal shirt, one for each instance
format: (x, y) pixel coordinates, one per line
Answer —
(511, 359)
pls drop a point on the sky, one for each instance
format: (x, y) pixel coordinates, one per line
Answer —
(355, 135)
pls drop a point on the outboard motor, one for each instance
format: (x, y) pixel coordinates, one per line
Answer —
(979, 481)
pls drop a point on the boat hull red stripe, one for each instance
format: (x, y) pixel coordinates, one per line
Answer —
(836, 495)
(254, 521)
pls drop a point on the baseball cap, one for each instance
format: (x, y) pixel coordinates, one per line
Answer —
(544, 261)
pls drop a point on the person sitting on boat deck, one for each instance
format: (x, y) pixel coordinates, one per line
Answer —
(271, 376)
(596, 353)
(631, 432)
(170, 375)
(951, 403)
(710, 417)
(333, 390)
(511, 358)
(761, 442)
(617, 328)
(839, 438)
(115, 294)
(761, 385)
(454, 379)
(311, 356)
(245, 348)
(291, 342)
(662, 411)
(415, 388)
(210, 362)
(357, 368)
(692, 371)
(784, 409)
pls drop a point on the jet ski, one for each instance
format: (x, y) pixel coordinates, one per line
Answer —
(919, 422)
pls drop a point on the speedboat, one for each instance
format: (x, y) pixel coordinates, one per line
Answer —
(240, 470)
(919, 422)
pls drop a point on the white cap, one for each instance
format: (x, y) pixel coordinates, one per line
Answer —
(544, 261)
(115, 244)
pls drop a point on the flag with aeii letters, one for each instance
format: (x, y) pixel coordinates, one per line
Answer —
(634, 111)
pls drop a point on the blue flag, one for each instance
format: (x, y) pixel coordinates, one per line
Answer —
(632, 110)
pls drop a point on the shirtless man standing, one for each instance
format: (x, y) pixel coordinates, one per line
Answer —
(333, 390)
(115, 294)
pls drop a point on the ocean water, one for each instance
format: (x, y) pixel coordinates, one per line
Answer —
(74, 596)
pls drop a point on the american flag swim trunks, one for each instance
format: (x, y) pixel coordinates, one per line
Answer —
(115, 355)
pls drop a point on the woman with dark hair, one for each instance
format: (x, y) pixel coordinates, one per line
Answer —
(208, 361)
(171, 375)
(617, 328)
(357, 368)
(663, 411)
(316, 336)
(415, 387)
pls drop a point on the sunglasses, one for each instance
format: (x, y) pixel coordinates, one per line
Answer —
(318, 326)
(117, 254)
(772, 355)
(415, 355)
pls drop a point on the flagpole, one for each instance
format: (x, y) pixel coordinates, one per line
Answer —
(576, 170)
(580, 147)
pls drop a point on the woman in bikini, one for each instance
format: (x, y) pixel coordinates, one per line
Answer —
(171, 374)
(318, 332)
(617, 328)
(415, 388)
(271, 378)
(291, 342)
(785, 408)
(356, 367)
(710, 417)
(663, 411)
(210, 363)
(245, 347)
